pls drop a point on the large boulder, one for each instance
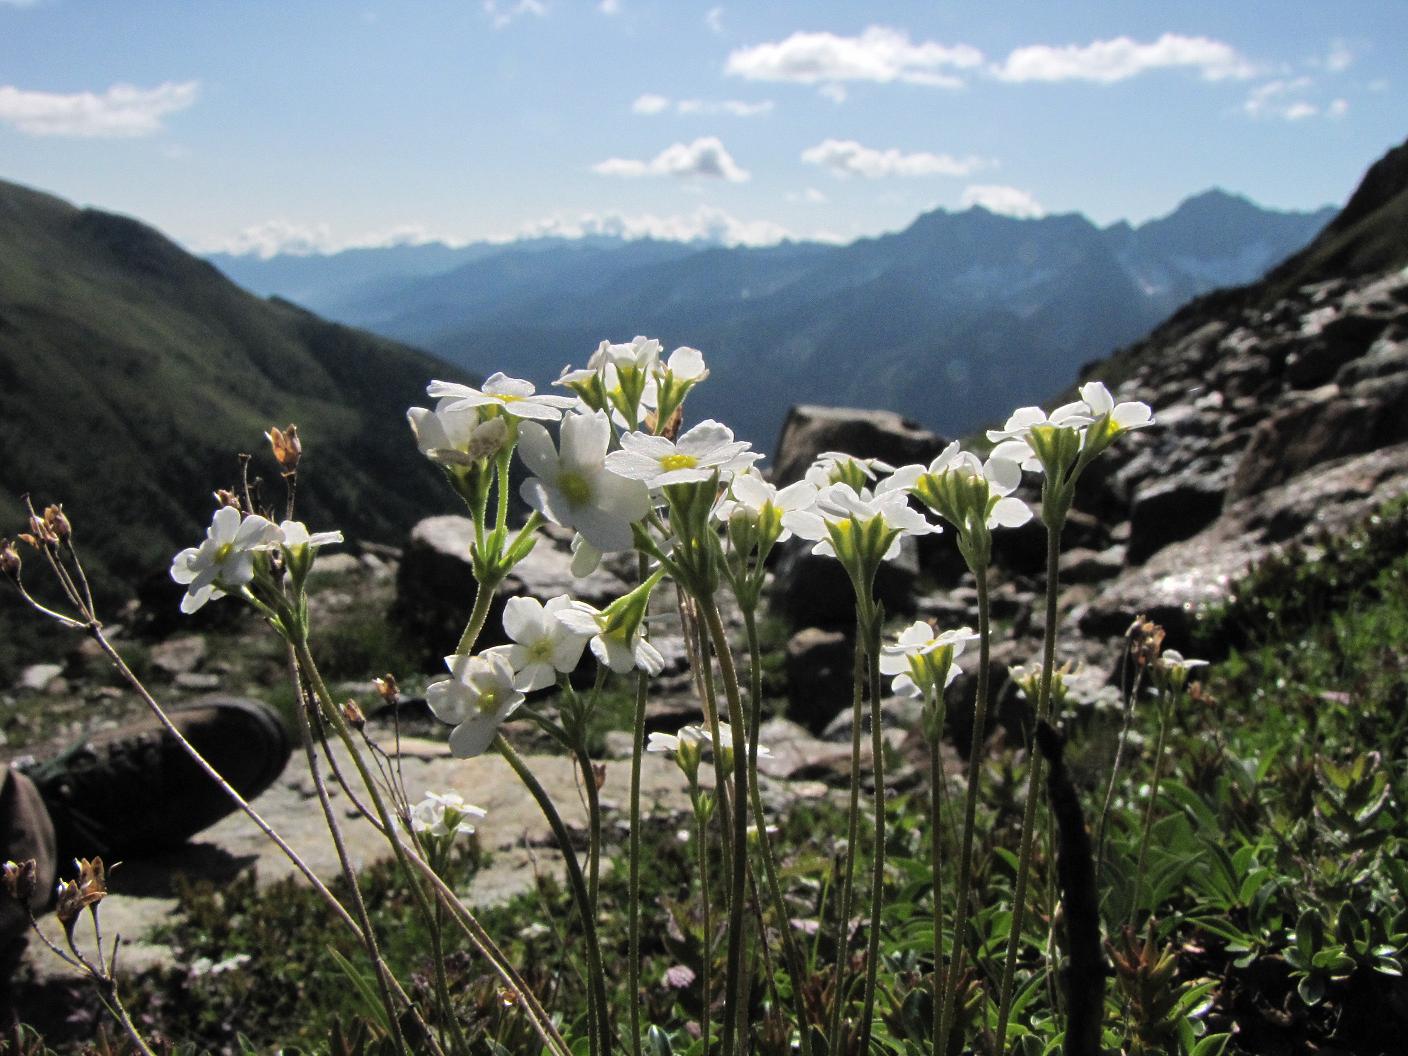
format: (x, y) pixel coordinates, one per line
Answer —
(812, 591)
(819, 676)
(1174, 585)
(435, 585)
(809, 430)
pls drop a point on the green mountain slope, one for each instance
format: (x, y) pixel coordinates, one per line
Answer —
(131, 373)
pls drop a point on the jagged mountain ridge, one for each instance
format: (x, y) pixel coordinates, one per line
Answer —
(131, 374)
(950, 321)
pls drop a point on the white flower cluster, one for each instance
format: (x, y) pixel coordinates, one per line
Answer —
(225, 561)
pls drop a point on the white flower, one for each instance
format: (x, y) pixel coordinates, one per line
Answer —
(295, 536)
(697, 455)
(586, 558)
(542, 645)
(1099, 402)
(1001, 475)
(512, 395)
(642, 353)
(1095, 407)
(833, 467)
(726, 742)
(225, 560)
(574, 488)
(454, 433)
(685, 364)
(840, 505)
(916, 660)
(752, 496)
(445, 814)
(479, 695)
(621, 652)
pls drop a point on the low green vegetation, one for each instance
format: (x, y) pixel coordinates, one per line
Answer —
(1273, 912)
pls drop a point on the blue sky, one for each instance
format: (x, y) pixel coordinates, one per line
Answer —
(320, 124)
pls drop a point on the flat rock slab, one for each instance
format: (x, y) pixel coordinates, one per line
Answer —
(520, 842)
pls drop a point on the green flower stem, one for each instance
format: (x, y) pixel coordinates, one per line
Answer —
(723, 807)
(599, 1032)
(483, 599)
(1034, 776)
(843, 933)
(701, 822)
(633, 879)
(537, 1015)
(364, 920)
(936, 804)
(877, 876)
(735, 1003)
(1149, 806)
(1126, 722)
(584, 763)
(970, 812)
(791, 955)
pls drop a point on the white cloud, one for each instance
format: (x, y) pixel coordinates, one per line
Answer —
(18, 3)
(846, 157)
(502, 13)
(1286, 100)
(123, 111)
(1339, 58)
(714, 19)
(879, 54)
(809, 196)
(1005, 201)
(1108, 61)
(705, 224)
(706, 156)
(609, 7)
(651, 104)
(835, 92)
(274, 237)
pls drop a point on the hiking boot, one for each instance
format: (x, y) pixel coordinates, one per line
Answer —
(134, 789)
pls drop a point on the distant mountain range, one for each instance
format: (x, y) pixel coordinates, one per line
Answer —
(952, 321)
(132, 373)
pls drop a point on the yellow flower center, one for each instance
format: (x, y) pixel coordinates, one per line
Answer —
(488, 702)
(575, 488)
(224, 551)
(678, 461)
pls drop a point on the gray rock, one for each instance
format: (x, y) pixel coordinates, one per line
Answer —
(435, 585)
(1321, 425)
(810, 430)
(1173, 507)
(1182, 579)
(37, 677)
(1334, 343)
(808, 590)
(819, 676)
(176, 656)
(198, 681)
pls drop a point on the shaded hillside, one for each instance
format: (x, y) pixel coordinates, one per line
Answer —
(131, 373)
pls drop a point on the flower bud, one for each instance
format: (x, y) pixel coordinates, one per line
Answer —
(288, 449)
(74, 896)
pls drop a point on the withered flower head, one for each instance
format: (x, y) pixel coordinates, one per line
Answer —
(9, 559)
(225, 497)
(288, 449)
(386, 686)
(352, 714)
(40, 534)
(56, 522)
(88, 889)
(1146, 640)
(21, 879)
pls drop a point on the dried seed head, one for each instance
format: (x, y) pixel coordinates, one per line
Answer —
(288, 449)
(1146, 640)
(88, 889)
(225, 497)
(508, 997)
(9, 559)
(352, 715)
(56, 521)
(40, 533)
(21, 879)
(387, 688)
(599, 775)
